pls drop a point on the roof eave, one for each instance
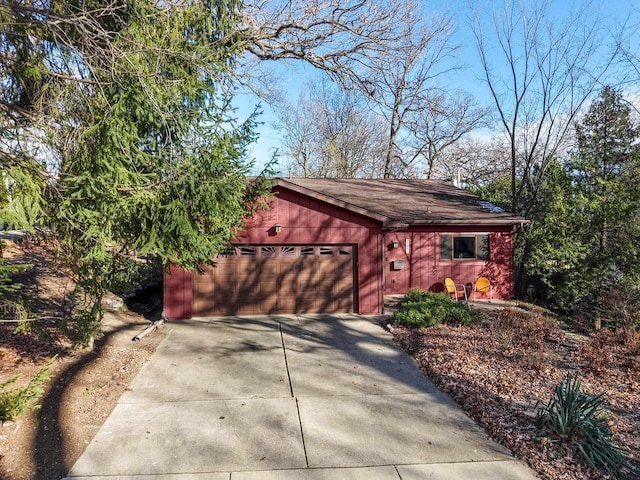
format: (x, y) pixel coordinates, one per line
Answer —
(334, 201)
(482, 221)
(393, 224)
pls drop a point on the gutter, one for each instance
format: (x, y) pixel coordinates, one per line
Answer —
(489, 222)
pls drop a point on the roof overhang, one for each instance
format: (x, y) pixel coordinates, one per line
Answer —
(481, 221)
(394, 223)
(334, 201)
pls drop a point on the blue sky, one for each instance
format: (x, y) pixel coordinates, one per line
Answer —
(612, 12)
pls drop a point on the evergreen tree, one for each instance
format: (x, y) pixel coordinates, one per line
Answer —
(583, 243)
(131, 105)
(605, 169)
(555, 255)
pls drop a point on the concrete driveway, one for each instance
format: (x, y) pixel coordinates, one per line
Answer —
(308, 397)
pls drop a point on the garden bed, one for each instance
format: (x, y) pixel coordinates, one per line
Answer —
(499, 369)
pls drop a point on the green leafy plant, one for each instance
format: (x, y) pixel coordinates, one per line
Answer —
(574, 417)
(17, 401)
(425, 309)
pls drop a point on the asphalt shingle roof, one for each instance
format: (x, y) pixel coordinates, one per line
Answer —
(412, 202)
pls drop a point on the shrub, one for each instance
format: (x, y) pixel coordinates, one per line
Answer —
(619, 349)
(577, 418)
(526, 330)
(618, 306)
(426, 309)
(17, 401)
(417, 295)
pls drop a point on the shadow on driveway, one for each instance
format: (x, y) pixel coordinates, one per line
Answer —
(243, 394)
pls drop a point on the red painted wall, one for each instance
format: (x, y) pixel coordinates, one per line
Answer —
(424, 269)
(178, 294)
(304, 221)
(308, 221)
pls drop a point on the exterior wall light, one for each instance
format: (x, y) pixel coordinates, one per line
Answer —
(394, 244)
(277, 227)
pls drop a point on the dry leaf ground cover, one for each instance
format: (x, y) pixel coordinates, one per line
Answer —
(498, 370)
(43, 444)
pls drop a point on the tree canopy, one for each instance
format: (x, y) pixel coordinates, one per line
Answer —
(581, 252)
(118, 135)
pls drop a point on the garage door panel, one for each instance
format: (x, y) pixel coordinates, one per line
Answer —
(296, 304)
(266, 268)
(342, 303)
(277, 279)
(249, 292)
(203, 289)
(342, 269)
(287, 289)
(221, 268)
(303, 281)
(343, 283)
(211, 309)
(257, 305)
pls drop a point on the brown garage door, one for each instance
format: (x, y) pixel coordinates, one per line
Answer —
(261, 279)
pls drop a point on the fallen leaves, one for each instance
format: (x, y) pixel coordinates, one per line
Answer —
(498, 371)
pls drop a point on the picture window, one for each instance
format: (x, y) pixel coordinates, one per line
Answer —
(464, 247)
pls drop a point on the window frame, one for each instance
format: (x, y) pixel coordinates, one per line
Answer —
(447, 242)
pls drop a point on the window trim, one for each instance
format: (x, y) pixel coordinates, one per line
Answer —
(451, 245)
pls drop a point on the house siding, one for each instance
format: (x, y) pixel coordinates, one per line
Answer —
(306, 220)
(423, 267)
(178, 293)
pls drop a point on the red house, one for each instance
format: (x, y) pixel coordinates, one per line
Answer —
(340, 245)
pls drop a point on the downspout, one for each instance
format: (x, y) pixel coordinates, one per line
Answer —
(384, 268)
(149, 329)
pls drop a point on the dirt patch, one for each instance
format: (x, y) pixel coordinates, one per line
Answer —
(85, 386)
(498, 371)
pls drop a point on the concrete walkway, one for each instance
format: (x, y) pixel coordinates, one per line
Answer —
(288, 397)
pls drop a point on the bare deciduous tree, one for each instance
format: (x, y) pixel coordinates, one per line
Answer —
(336, 36)
(400, 82)
(540, 74)
(442, 122)
(627, 44)
(388, 51)
(475, 162)
(329, 132)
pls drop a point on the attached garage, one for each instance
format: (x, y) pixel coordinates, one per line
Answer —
(255, 279)
(340, 245)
